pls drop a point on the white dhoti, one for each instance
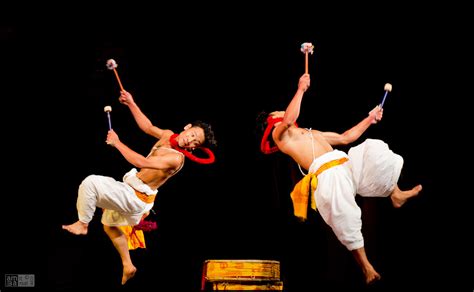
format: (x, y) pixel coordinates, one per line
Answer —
(375, 168)
(372, 170)
(121, 205)
(335, 200)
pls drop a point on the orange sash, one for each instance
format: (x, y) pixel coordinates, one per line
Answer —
(144, 197)
(135, 237)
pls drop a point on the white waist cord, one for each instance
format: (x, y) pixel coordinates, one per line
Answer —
(312, 146)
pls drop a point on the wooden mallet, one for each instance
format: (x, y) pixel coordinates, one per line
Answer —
(306, 48)
(112, 65)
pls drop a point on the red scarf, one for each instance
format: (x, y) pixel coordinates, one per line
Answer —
(210, 159)
(265, 144)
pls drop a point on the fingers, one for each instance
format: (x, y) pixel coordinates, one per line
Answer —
(125, 97)
(111, 141)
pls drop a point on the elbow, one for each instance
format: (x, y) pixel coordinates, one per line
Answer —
(140, 162)
(347, 139)
(344, 142)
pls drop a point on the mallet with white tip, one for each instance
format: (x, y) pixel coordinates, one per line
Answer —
(108, 109)
(306, 48)
(112, 65)
(387, 88)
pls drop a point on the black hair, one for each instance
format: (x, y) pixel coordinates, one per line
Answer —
(261, 124)
(209, 136)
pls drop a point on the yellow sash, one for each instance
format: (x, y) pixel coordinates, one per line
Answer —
(301, 191)
(135, 237)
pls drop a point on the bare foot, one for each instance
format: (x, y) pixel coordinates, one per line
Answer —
(399, 197)
(78, 228)
(371, 277)
(128, 273)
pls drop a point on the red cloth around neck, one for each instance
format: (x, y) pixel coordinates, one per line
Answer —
(210, 155)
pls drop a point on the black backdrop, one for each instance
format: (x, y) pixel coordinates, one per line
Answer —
(224, 70)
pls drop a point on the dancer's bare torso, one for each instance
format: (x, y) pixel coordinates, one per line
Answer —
(162, 150)
(298, 143)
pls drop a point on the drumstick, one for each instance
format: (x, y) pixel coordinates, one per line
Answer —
(387, 88)
(112, 65)
(306, 62)
(306, 48)
(108, 109)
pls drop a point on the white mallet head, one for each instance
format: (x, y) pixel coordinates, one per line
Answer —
(388, 87)
(307, 47)
(108, 109)
(111, 64)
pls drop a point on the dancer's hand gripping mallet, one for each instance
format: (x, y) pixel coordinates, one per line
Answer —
(387, 88)
(112, 65)
(108, 109)
(306, 48)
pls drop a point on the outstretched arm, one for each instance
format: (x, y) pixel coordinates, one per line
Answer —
(355, 132)
(143, 122)
(293, 110)
(165, 162)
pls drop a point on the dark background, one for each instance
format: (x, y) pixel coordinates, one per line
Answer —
(224, 68)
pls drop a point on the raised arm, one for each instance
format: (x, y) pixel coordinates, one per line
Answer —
(293, 110)
(355, 132)
(143, 122)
